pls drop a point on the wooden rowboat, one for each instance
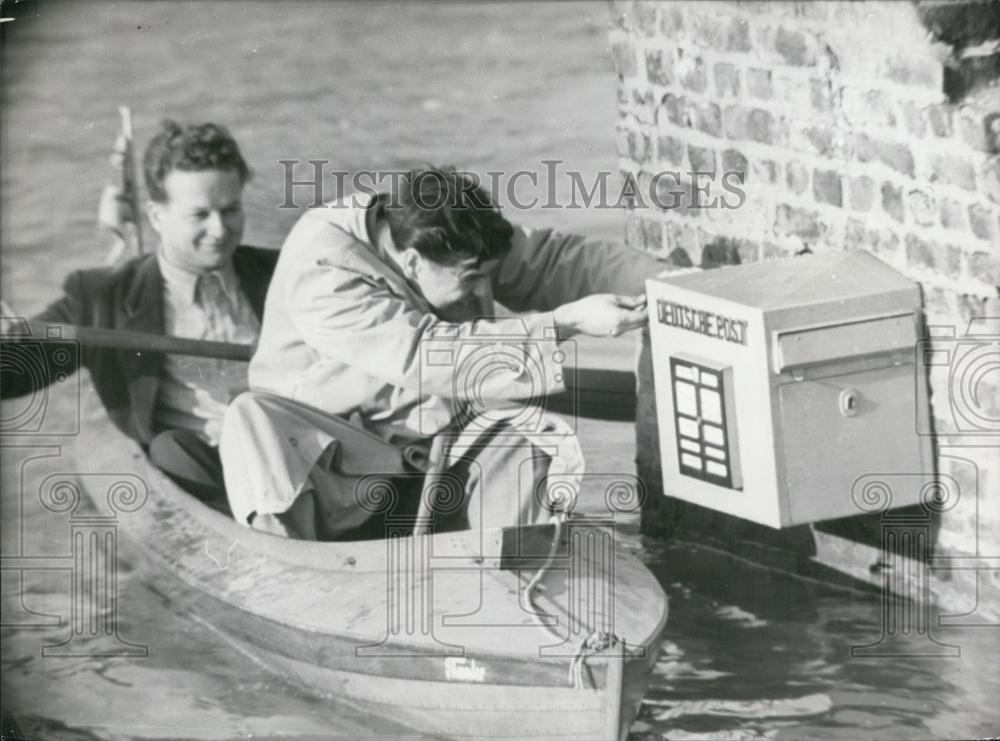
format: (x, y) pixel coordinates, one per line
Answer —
(432, 631)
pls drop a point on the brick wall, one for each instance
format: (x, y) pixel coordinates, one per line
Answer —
(837, 117)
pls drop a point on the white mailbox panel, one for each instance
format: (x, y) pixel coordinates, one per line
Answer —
(779, 384)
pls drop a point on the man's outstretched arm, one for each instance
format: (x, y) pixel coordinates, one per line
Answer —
(545, 269)
(593, 287)
(345, 316)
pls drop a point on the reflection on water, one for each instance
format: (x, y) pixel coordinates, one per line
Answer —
(778, 664)
(496, 86)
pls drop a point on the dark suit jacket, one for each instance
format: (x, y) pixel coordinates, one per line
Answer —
(129, 297)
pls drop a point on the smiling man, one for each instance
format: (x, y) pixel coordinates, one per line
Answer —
(200, 283)
(382, 312)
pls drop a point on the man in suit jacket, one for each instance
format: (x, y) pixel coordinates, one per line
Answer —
(199, 283)
(382, 311)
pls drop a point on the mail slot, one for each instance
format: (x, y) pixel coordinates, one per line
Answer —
(780, 384)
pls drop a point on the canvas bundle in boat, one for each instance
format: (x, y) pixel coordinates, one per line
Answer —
(550, 434)
(270, 445)
(292, 438)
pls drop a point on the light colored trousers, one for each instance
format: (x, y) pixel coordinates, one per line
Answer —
(297, 471)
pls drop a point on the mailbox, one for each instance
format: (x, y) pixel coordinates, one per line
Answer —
(780, 384)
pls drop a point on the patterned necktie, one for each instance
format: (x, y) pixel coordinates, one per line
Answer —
(212, 298)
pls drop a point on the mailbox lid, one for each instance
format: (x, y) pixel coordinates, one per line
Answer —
(798, 281)
(826, 343)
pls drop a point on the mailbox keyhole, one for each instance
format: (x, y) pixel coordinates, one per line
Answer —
(849, 402)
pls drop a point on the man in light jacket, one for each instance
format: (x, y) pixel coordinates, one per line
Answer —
(380, 320)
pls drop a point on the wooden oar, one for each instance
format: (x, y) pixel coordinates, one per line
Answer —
(593, 393)
(123, 340)
(130, 172)
(119, 210)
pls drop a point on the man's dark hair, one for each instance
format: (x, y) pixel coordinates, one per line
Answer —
(447, 216)
(193, 148)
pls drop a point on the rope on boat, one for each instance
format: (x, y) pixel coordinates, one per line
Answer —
(599, 640)
(529, 590)
(568, 465)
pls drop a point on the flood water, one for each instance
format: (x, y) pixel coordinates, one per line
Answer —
(492, 87)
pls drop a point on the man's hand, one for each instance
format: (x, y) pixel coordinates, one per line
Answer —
(601, 315)
(115, 207)
(114, 210)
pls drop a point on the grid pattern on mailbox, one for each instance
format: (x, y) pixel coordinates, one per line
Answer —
(703, 445)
